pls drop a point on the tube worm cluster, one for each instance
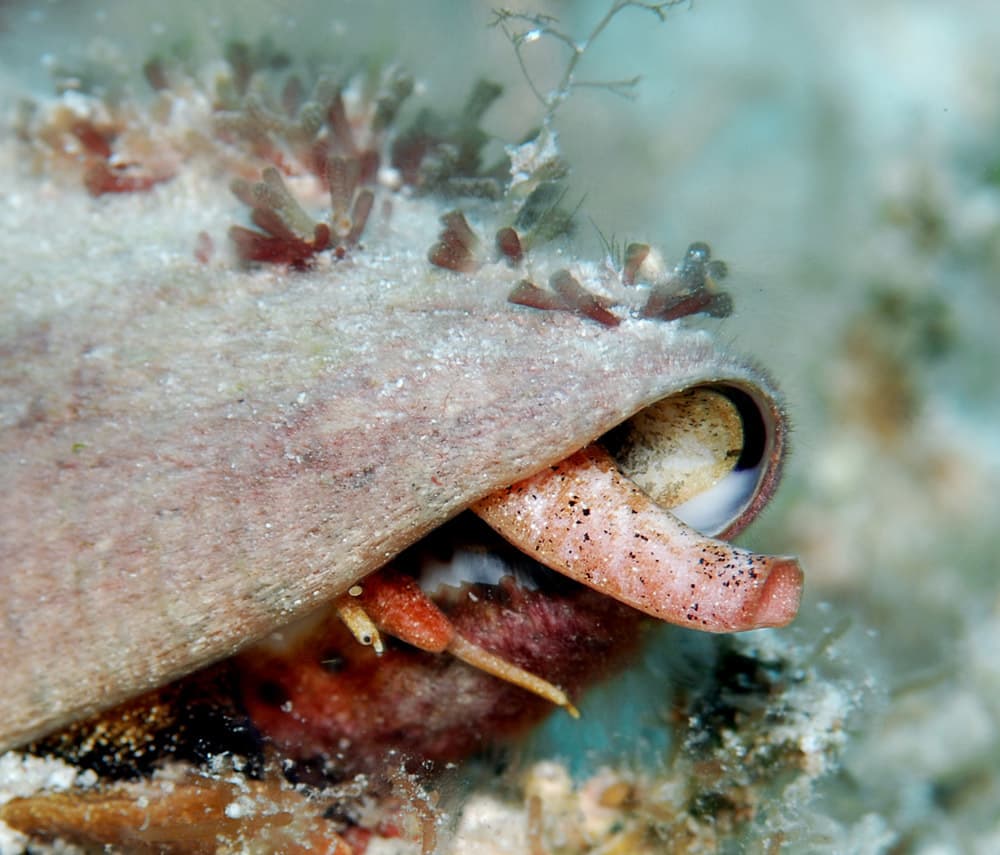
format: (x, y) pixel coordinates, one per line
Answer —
(690, 289)
(345, 150)
(287, 234)
(105, 144)
(635, 285)
(567, 294)
(457, 246)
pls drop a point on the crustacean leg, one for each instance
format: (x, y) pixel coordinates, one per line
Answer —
(395, 603)
(334, 707)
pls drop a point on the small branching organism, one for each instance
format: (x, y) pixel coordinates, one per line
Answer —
(567, 294)
(524, 29)
(335, 136)
(287, 233)
(273, 120)
(103, 141)
(444, 155)
(691, 288)
(457, 245)
(537, 173)
(537, 170)
(343, 137)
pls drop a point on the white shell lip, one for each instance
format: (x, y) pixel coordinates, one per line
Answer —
(712, 511)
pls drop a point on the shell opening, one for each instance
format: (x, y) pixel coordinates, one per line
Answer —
(711, 454)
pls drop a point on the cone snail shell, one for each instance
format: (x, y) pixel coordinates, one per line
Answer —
(192, 457)
(151, 534)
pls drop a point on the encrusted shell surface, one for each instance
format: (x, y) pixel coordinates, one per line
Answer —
(185, 478)
(192, 454)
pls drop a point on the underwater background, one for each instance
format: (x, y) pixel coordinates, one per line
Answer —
(844, 159)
